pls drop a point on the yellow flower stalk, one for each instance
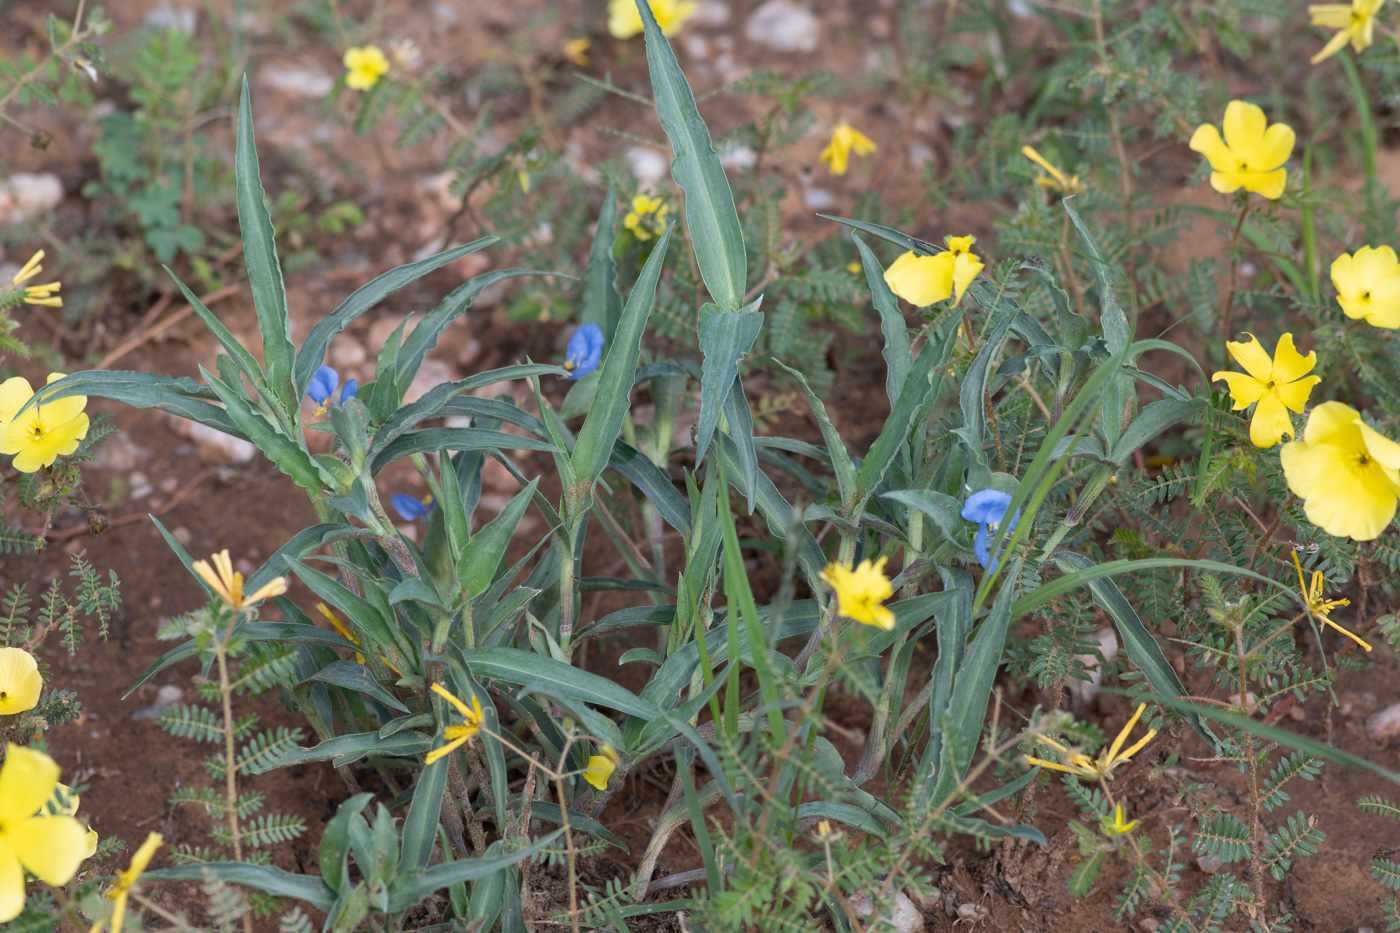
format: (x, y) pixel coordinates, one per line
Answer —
(126, 880)
(365, 65)
(1356, 24)
(1081, 765)
(20, 681)
(36, 294)
(859, 592)
(601, 766)
(472, 721)
(1319, 607)
(924, 280)
(1058, 180)
(647, 217)
(1346, 473)
(576, 50)
(624, 20)
(1368, 285)
(32, 840)
(1278, 385)
(1252, 154)
(229, 585)
(45, 432)
(845, 139)
(1117, 826)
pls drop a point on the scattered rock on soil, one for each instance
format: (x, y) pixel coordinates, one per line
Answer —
(904, 918)
(1085, 690)
(1383, 727)
(170, 16)
(784, 26)
(27, 196)
(647, 164)
(301, 82)
(1208, 864)
(710, 13)
(216, 444)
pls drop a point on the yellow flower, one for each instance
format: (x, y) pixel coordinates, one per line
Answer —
(1082, 765)
(600, 767)
(366, 65)
(36, 294)
(1368, 285)
(845, 139)
(1251, 156)
(647, 217)
(20, 681)
(43, 433)
(1356, 22)
(826, 833)
(471, 724)
(1278, 385)
(923, 280)
(126, 880)
(1347, 475)
(1065, 184)
(48, 847)
(1117, 826)
(860, 591)
(229, 585)
(1319, 607)
(65, 803)
(576, 50)
(624, 20)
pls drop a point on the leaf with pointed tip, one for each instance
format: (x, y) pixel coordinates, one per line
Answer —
(724, 339)
(898, 353)
(602, 304)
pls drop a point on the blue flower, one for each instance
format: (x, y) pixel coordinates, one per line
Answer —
(323, 386)
(987, 507)
(409, 508)
(584, 352)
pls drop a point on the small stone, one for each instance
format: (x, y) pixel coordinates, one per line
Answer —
(140, 486)
(431, 374)
(120, 453)
(220, 446)
(381, 330)
(299, 82)
(468, 352)
(1085, 690)
(1383, 726)
(171, 16)
(696, 46)
(969, 913)
(903, 918)
(182, 534)
(738, 157)
(347, 352)
(818, 199)
(648, 165)
(1296, 713)
(784, 26)
(710, 13)
(27, 196)
(169, 695)
(1208, 864)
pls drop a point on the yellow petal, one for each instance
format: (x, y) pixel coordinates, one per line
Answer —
(1289, 364)
(1123, 734)
(1382, 449)
(447, 749)
(1333, 423)
(1274, 149)
(1345, 281)
(20, 681)
(966, 268)
(598, 771)
(446, 695)
(1334, 45)
(1251, 355)
(1054, 765)
(141, 859)
(50, 847)
(27, 781)
(1244, 128)
(11, 885)
(1206, 140)
(1357, 504)
(1331, 15)
(1270, 422)
(1227, 182)
(1269, 185)
(1244, 389)
(1294, 395)
(1138, 746)
(1307, 467)
(921, 280)
(14, 392)
(624, 21)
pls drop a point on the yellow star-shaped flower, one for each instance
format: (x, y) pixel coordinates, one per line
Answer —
(1081, 765)
(1252, 154)
(859, 592)
(1274, 386)
(365, 65)
(1357, 25)
(472, 720)
(1346, 473)
(1319, 607)
(625, 21)
(228, 585)
(845, 139)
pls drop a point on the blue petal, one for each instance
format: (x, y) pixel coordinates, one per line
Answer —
(986, 506)
(979, 545)
(585, 351)
(410, 509)
(323, 385)
(349, 391)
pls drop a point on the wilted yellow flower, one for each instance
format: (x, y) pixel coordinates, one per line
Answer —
(365, 65)
(1319, 607)
(65, 803)
(229, 585)
(20, 681)
(647, 217)
(405, 53)
(923, 280)
(601, 766)
(1368, 285)
(576, 50)
(36, 294)
(472, 721)
(1252, 154)
(1347, 474)
(845, 139)
(1058, 180)
(625, 21)
(826, 833)
(46, 431)
(1278, 385)
(1117, 826)
(859, 592)
(1357, 25)
(1082, 765)
(49, 847)
(126, 880)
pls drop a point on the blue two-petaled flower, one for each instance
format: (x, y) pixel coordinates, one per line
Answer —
(584, 351)
(409, 508)
(987, 507)
(323, 386)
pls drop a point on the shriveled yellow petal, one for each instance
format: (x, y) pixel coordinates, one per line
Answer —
(599, 769)
(447, 749)
(1251, 355)
(140, 860)
(1123, 733)
(441, 691)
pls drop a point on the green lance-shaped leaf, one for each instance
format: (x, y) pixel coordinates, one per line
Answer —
(555, 677)
(308, 889)
(432, 440)
(1154, 418)
(260, 258)
(346, 749)
(180, 396)
(284, 453)
(840, 458)
(483, 553)
(724, 339)
(335, 842)
(353, 675)
(443, 400)
(973, 396)
(408, 888)
(618, 372)
(424, 812)
(602, 304)
(711, 218)
(898, 354)
(740, 418)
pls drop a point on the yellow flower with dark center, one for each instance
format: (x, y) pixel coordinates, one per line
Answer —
(472, 721)
(46, 431)
(576, 50)
(1319, 607)
(647, 217)
(1368, 285)
(229, 585)
(625, 21)
(845, 139)
(1081, 765)
(1058, 180)
(365, 65)
(36, 294)
(923, 280)
(1277, 385)
(1117, 826)
(1357, 25)
(601, 766)
(20, 681)
(126, 881)
(859, 592)
(49, 847)
(1252, 154)
(1346, 473)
